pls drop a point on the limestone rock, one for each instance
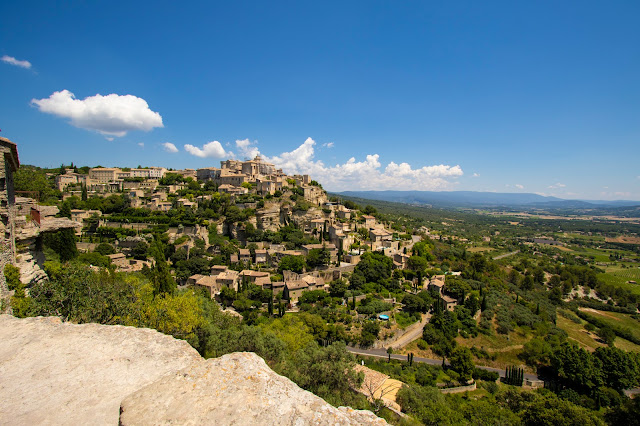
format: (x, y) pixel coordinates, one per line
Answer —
(237, 388)
(58, 223)
(30, 267)
(62, 373)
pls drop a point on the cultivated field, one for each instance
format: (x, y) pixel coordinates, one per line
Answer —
(619, 276)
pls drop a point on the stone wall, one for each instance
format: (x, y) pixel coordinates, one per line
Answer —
(7, 217)
(459, 389)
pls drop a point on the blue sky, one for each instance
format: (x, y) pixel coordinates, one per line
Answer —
(492, 96)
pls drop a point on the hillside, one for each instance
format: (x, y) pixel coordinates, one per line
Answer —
(485, 199)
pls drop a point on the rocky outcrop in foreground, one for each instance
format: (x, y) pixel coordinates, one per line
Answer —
(61, 373)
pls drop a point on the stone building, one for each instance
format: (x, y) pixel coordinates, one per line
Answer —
(9, 165)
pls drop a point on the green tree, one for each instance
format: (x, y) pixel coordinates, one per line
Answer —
(607, 335)
(369, 334)
(227, 296)
(576, 367)
(318, 257)
(413, 303)
(620, 369)
(292, 263)
(62, 242)
(140, 250)
(105, 249)
(12, 276)
(337, 288)
(162, 280)
(32, 179)
(417, 263)
(374, 267)
(462, 362)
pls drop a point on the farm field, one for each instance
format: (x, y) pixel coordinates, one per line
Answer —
(579, 237)
(577, 333)
(589, 340)
(480, 249)
(598, 255)
(616, 319)
(619, 276)
(505, 348)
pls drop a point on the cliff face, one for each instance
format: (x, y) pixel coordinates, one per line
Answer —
(30, 258)
(61, 373)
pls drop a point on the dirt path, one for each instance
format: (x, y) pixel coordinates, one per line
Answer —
(505, 349)
(502, 256)
(414, 332)
(604, 314)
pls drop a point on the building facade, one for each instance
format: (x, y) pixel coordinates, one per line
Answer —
(9, 165)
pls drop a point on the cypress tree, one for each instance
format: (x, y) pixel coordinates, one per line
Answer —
(521, 376)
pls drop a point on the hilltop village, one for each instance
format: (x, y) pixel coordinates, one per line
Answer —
(327, 237)
(450, 313)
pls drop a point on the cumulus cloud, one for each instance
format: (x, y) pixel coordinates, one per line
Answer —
(169, 147)
(557, 185)
(368, 174)
(16, 62)
(211, 149)
(141, 144)
(247, 149)
(476, 175)
(328, 145)
(111, 115)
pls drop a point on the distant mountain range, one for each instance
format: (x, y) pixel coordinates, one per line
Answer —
(484, 199)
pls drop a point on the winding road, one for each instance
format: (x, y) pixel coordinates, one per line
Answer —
(382, 353)
(502, 256)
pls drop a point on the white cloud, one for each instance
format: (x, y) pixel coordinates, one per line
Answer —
(247, 149)
(211, 149)
(364, 175)
(169, 147)
(557, 185)
(112, 115)
(517, 185)
(328, 145)
(475, 175)
(141, 144)
(13, 61)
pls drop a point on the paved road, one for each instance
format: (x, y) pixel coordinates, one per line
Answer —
(506, 255)
(411, 335)
(382, 353)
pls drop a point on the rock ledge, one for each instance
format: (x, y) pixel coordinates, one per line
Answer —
(61, 373)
